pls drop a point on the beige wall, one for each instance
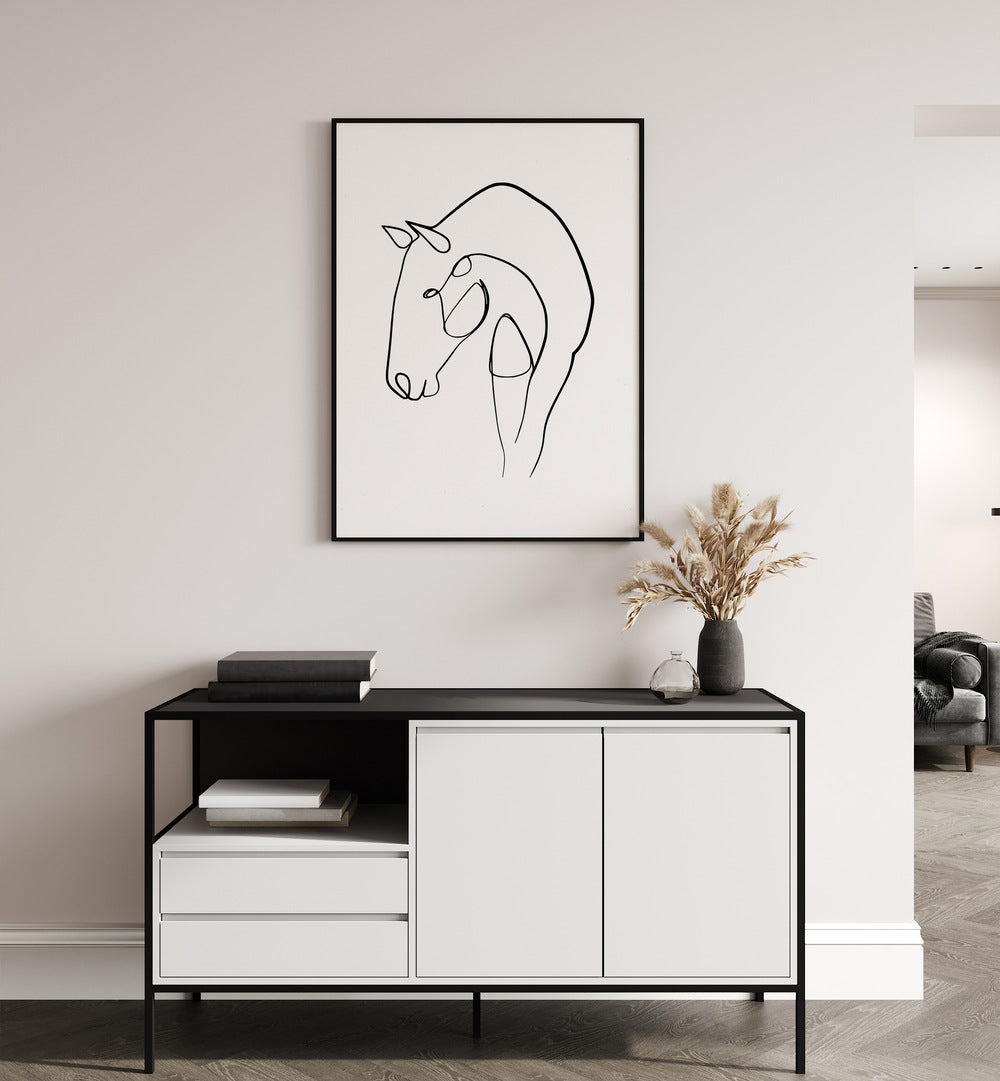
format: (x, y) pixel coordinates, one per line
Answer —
(957, 451)
(165, 348)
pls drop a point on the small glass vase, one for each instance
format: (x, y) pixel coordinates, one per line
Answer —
(675, 680)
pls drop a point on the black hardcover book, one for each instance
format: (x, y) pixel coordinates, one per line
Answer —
(248, 666)
(289, 691)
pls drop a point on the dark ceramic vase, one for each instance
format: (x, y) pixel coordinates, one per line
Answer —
(720, 657)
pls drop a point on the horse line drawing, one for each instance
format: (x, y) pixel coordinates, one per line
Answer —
(501, 280)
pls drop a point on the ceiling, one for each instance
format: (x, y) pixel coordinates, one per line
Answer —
(957, 197)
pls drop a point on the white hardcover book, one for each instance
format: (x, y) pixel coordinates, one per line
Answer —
(331, 811)
(264, 793)
(293, 819)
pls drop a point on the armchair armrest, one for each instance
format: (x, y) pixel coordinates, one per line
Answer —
(989, 657)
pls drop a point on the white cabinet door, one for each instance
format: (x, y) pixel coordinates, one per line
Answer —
(508, 852)
(698, 842)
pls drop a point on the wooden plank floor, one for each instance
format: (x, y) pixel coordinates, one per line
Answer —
(953, 1035)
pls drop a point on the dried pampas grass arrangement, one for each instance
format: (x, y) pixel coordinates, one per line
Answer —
(718, 567)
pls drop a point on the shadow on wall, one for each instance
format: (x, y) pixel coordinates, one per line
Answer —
(554, 619)
(74, 786)
(318, 138)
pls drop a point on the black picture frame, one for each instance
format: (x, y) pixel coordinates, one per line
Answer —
(361, 151)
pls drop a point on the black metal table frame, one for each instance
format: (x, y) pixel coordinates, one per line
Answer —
(196, 989)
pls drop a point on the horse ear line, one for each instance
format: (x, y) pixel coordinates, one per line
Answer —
(399, 236)
(438, 241)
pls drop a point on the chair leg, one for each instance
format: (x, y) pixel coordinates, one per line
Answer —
(970, 759)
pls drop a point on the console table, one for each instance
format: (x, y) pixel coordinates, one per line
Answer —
(538, 841)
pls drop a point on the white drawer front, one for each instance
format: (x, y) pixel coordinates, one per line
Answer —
(282, 949)
(284, 884)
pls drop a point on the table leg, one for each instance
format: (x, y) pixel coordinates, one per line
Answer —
(148, 1019)
(800, 1031)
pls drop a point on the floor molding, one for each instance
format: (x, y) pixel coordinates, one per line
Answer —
(864, 961)
(69, 934)
(956, 292)
(103, 961)
(71, 961)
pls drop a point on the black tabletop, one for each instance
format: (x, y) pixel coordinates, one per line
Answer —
(421, 703)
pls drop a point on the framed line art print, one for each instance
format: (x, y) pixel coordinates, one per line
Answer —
(487, 329)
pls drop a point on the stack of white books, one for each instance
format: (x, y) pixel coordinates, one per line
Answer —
(289, 803)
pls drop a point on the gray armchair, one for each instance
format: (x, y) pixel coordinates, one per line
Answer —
(972, 715)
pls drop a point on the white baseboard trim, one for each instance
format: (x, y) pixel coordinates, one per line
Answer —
(864, 960)
(71, 961)
(956, 292)
(101, 961)
(70, 934)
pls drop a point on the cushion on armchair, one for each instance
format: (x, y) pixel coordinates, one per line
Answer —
(923, 616)
(954, 667)
(932, 694)
(965, 707)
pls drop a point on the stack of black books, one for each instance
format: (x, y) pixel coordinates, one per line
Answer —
(334, 675)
